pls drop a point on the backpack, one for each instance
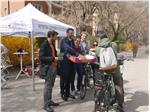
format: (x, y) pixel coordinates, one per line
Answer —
(107, 58)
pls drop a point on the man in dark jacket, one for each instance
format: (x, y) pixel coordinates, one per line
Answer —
(67, 68)
(48, 58)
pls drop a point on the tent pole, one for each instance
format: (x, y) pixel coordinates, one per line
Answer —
(32, 51)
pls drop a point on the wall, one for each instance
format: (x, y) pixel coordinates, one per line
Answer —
(16, 5)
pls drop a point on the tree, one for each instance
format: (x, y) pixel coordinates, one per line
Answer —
(121, 20)
(80, 13)
(128, 16)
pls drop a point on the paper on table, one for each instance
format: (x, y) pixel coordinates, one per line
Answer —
(89, 57)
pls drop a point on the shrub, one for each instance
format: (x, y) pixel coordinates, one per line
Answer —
(128, 46)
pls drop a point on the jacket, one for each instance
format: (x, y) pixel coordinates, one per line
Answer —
(67, 47)
(45, 53)
(84, 47)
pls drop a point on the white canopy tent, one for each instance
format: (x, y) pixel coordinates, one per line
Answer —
(30, 22)
(30, 19)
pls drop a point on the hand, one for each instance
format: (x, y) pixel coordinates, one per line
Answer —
(100, 68)
(56, 58)
(60, 58)
(81, 57)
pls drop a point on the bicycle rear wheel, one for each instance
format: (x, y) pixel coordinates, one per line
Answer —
(97, 97)
(108, 97)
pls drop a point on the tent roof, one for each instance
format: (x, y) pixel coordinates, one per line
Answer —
(31, 19)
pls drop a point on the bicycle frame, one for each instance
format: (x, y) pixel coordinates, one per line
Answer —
(104, 91)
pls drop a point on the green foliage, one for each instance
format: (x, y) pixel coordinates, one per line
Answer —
(92, 39)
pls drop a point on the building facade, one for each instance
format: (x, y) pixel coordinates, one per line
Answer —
(59, 10)
(48, 7)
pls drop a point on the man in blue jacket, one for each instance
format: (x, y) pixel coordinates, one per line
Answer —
(67, 68)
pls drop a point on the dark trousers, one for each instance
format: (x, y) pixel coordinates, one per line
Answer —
(118, 82)
(79, 71)
(93, 69)
(72, 80)
(66, 78)
(49, 83)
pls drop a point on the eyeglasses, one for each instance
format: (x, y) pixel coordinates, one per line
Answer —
(94, 44)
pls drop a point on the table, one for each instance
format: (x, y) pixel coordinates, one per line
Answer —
(21, 63)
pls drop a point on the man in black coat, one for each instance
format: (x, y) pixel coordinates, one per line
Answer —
(48, 58)
(67, 68)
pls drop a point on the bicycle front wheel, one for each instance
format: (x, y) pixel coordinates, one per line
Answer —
(83, 88)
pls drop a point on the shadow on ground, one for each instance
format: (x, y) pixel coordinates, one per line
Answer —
(136, 101)
(89, 97)
(21, 98)
(125, 81)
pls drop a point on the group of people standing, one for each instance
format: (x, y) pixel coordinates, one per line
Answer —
(68, 69)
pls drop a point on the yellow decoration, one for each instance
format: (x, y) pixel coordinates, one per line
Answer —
(14, 43)
(128, 46)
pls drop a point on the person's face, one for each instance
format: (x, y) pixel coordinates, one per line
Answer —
(95, 44)
(78, 39)
(54, 38)
(83, 36)
(70, 34)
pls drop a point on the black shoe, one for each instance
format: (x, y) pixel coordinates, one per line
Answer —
(120, 105)
(64, 97)
(52, 103)
(48, 109)
(71, 96)
(120, 108)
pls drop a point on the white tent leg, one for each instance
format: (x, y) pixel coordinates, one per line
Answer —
(32, 51)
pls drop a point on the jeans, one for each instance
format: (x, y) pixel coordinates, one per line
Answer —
(49, 84)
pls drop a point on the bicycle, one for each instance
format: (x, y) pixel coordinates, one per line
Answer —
(104, 94)
(87, 75)
(104, 87)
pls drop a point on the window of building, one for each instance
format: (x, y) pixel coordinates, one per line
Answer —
(5, 11)
(56, 10)
(38, 6)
